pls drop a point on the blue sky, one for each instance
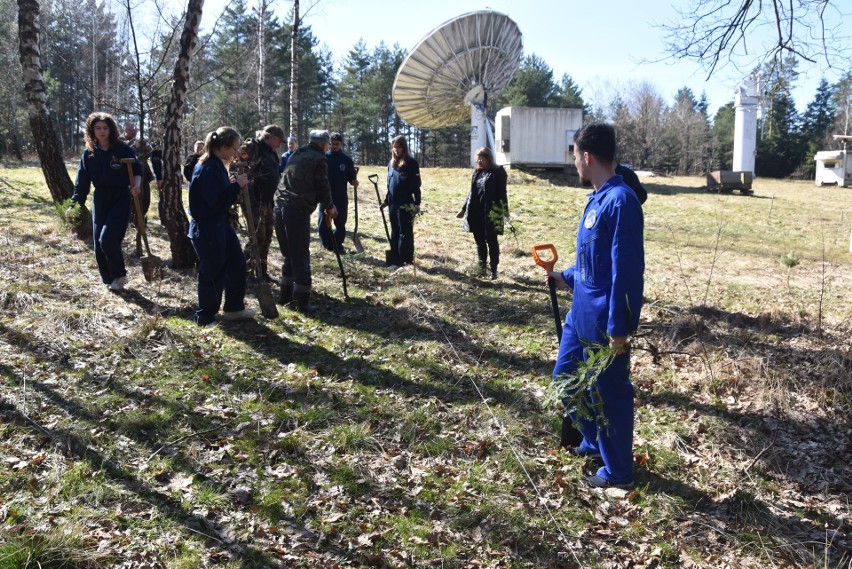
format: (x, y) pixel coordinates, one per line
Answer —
(602, 45)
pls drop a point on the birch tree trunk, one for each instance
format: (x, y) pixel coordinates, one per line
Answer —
(177, 223)
(261, 66)
(47, 145)
(294, 74)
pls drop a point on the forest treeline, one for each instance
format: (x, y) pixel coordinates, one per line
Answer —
(120, 61)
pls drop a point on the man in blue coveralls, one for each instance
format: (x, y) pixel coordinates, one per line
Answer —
(341, 170)
(607, 280)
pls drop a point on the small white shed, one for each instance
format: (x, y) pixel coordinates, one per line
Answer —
(834, 166)
(536, 136)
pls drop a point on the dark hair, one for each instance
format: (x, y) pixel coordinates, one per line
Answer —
(597, 139)
(91, 141)
(222, 136)
(337, 136)
(402, 160)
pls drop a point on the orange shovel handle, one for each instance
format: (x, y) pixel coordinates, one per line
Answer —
(549, 261)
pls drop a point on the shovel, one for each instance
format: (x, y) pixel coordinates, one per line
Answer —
(388, 252)
(152, 266)
(356, 241)
(547, 265)
(339, 260)
(264, 295)
(570, 436)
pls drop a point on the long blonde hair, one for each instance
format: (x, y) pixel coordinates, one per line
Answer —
(222, 136)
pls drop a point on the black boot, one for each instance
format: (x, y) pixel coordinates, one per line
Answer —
(285, 297)
(493, 273)
(570, 436)
(301, 298)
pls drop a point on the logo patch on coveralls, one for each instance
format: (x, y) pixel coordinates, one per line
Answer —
(591, 218)
(115, 163)
(342, 167)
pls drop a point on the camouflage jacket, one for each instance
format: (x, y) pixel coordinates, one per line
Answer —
(263, 175)
(305, 180)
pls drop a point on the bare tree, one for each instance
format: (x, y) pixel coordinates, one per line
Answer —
(47, 144)
(714, 32)
(294, 72)
(177, 223)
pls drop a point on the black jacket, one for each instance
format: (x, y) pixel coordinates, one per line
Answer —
(488, 189)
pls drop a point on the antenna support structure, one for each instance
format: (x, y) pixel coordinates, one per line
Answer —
(452, 72)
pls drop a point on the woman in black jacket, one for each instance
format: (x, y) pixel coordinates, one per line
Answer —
(485, 208)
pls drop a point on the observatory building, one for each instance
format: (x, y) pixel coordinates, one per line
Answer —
(835, 166)
(536, 137)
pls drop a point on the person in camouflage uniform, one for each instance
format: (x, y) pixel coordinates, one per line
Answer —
(262, 157)
(304, 185)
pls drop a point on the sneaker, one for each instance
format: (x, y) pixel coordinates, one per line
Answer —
(393, 267)
(118, 284)
(245, 314)
(208, 324)
(600, 482)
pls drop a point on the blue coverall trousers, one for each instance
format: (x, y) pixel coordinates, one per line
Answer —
(341, 202)
(615, 443)
(402, 235)
(108, 235)
(221, 267)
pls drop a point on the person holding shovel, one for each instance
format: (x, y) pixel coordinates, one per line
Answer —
(485, 209)
(403, 202)
(303, 186)
(608, 281)
(101, 166)
(221, 264)
(262, 158)
(341, 171)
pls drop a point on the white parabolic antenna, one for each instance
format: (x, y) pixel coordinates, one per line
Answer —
(453, 71)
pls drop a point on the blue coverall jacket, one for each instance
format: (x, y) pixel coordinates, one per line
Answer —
(222, 266)
(110, 203)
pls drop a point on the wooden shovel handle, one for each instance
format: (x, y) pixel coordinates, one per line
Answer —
(140, 219)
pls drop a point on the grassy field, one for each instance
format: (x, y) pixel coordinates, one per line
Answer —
(414, 425)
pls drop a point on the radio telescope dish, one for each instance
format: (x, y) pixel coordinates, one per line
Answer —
(453, 71)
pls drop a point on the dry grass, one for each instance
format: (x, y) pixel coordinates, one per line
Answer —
(359, 437)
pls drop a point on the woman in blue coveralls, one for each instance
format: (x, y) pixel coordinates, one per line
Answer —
(222, 266)
(607, 280)
(403, 202)
(101, 166)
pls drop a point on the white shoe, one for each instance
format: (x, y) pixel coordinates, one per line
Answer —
(245, 314)
(118, 284)
(393, 267)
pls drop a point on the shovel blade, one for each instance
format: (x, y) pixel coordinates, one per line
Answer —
(356, 242)
(266, 302)
(152, 268)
